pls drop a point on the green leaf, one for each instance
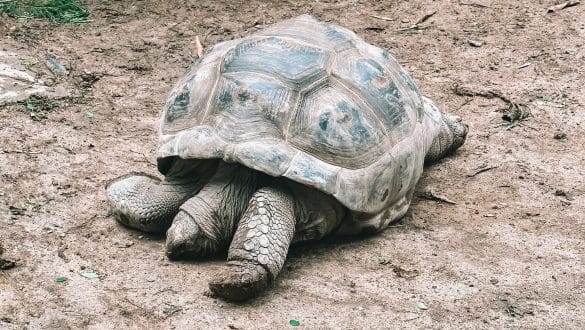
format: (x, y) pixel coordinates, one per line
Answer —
(90, 275)
(294, 323)
(421, 305)
(30, 106)
(61, 279)
(547, 98)
(89, 115)
(28, 62)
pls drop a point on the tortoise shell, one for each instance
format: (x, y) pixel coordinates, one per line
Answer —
(311, 102)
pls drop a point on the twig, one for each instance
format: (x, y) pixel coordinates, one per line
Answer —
(146, 159)
(489, 94)
(527, 64)
(81, 225)
(416, 26)
(6, 151)
(481, 169)
(384, 18)
(479, 5)
(424, 18)
(133, 303)
(512, 115)
(562, 6)
(431, 195)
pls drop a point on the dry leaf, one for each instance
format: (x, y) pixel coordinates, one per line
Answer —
(198, 47)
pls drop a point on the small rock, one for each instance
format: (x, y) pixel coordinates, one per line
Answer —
(475, 43)
(562, 193)
(126, 244)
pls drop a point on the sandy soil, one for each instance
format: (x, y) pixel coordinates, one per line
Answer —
(509, 254)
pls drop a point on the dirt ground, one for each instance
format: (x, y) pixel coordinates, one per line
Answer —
(509, 254)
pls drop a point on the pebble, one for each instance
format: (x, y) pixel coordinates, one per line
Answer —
(475, 43)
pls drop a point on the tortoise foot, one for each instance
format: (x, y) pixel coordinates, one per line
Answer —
(239, 281)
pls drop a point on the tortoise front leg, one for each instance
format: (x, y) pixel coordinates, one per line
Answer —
(260, 244)
(146, 203)
(206, 222)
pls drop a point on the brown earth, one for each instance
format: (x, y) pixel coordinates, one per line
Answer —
(508, 254)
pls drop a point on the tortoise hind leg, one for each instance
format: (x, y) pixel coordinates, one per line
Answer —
(452, 134)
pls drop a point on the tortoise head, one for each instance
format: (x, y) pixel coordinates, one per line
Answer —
(458, 130)
(452, 135)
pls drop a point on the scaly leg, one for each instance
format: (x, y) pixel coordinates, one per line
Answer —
(260, 245)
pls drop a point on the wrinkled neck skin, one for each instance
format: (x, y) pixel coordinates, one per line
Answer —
(224, 199)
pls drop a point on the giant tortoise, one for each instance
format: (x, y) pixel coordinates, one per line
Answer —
(297, 131)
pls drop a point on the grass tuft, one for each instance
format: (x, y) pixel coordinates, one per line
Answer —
(58, 11)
